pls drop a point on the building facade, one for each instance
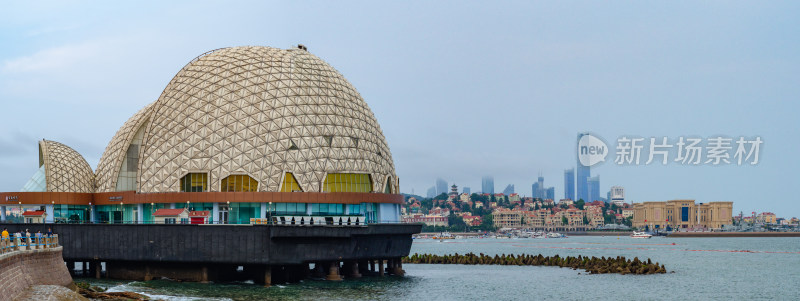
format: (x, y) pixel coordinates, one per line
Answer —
(617, 195)
(569, 184)
(242, 132)
(682, 214)
(582, 178)
(487, 185)
(593, 189)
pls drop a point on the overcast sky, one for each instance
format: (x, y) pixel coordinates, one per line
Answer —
(461, 89)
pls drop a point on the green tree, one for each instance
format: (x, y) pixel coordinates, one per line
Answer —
(441, 197)
(564, 220)
(579, 204)
(585, 220)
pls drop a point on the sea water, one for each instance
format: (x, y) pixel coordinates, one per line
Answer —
(704, 268)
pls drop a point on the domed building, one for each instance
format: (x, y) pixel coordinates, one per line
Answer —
(249, 134)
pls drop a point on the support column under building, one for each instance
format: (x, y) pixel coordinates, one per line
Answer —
(397, 268)
(333, 272)
(381, 271)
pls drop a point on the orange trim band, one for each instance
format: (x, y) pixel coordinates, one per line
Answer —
(131, 197)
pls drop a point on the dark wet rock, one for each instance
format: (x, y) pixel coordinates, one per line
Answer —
(593, 265)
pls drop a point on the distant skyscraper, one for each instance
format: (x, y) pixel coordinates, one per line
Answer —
(441, 186)
(593, 189)
(584, 173)
(487, 185)
(509, 189)
(466, 190)
(431, 192)
(616, 195)
(535, 190)
(551, 193)
(569, 184)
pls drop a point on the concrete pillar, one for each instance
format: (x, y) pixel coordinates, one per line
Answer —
(397, 267)
(215, 213)
(94, 269)
(92, 213)
(333, 272)
(139, 213)
(147, 275)
(204, 274)
(267, 276)
(371, 265)
(48, 218)
(319, 270)
(352, 269)
(381, 271)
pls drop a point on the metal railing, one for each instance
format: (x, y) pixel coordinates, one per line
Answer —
(20, 243)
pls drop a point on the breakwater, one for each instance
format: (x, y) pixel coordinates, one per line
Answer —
(593, 265)
(22, 269)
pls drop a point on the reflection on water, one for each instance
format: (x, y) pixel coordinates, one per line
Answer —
(705, 268)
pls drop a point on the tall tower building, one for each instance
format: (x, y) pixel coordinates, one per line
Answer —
(593, 189)
(487, 185)
(509, 189)
(569, 184)
(584, 173)
(466, 190)
(441, 186)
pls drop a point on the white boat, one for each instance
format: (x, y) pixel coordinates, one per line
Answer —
(555, 235)
(640, 235)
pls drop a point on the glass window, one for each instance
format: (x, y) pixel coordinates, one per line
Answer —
(347, 182)
(238, 183)
(290, 183)
(194, 182)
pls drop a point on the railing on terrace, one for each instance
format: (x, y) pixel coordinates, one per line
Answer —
(284, 220)
(27, 242)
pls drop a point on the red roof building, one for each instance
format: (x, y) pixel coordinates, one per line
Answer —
(169, 212)
(37, 213)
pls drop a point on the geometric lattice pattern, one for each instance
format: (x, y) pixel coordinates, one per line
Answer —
(65, 169)
(108, 168)
(259, 111)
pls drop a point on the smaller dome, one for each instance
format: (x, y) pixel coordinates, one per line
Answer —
(65, 169)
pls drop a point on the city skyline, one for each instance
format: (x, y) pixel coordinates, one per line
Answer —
(457, 98)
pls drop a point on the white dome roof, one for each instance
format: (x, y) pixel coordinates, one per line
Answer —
(259, 111)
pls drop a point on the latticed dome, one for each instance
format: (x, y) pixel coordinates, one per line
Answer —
(62, 169)
(256, 111)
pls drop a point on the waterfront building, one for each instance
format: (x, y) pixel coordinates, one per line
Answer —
(243, 133)
(627, 212)
(487, 185)
(767, 218)
(427, 219)
(569, 184)
(506, 218)
(682, 214)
